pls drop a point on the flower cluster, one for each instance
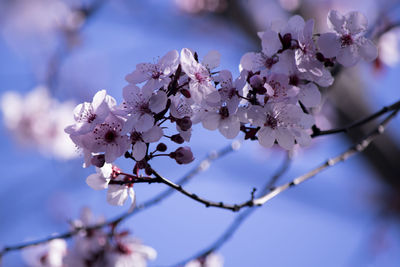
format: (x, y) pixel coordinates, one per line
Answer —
(268, 101)
(38, 120)
(94, 247)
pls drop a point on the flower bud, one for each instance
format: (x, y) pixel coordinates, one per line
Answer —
(148, 170)
(98, 160)
(183, 155)
(286, 41)
(177, 139)
(185, 93)
(256, 81)
(141, 164)
(185, 123)
(161, 147)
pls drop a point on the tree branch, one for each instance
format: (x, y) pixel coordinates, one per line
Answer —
(359, 147)
(394, 106)
(202, 166)
(240, 218)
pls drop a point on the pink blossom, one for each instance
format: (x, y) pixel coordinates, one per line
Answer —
(347, 42)
(155, 75)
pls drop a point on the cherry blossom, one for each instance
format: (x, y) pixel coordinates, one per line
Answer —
(88, 115)
(106, 137)
(130, 252)
(118, 194)
(50, 254)
(139, 140)
(97, 247)
(283, 123)
(139, 105)
(155, 75)
(200, 80)
(211, 260)
(87, 244)
(306, 58)
(222, 119)
(100, 179)
(347, 42)
(38, 121)
(308, 92)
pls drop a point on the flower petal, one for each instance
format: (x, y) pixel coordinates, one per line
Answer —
(212, 59)
(251, 61)
(309, 95)
(139, 150)
(270, 43)
(211, 121)
(356, 22)
(348, 56)
(144, 123)
(117, 194)
(336, 21)
(169, 62)
(158, 101)
(153, 135)
(97, 181)
(368, 50)
(285, 138)
(329, 44)
(266, 137)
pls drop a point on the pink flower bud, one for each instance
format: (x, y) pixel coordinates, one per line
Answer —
(183, 155)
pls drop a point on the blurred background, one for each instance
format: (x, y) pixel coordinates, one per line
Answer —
(57, 53)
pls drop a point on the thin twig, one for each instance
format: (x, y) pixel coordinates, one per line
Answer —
(394, 106)
(228, 233)
(359, 147)
(240, 218)
(202, 166)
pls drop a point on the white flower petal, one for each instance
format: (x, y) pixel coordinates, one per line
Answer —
(309, 95)
(132, 196)
(99, 99)
(356, 22)
(139, 150)
(144, 123)
(112, 153)
(130, 93)
(158, 101)
(336, 21)
(329, 44)
(97, 181)
(348, 56)
(266, 137)
(229, 127)
(169, 62)
(188, 62)
(117, 194)
(303, 138)
(270, 43)
(212, 59)
(251, 61)
(285, 138)
(106, 170)
(295, 25)
(368, 50)
(153, 135)
(140, 74)
(211, 121)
